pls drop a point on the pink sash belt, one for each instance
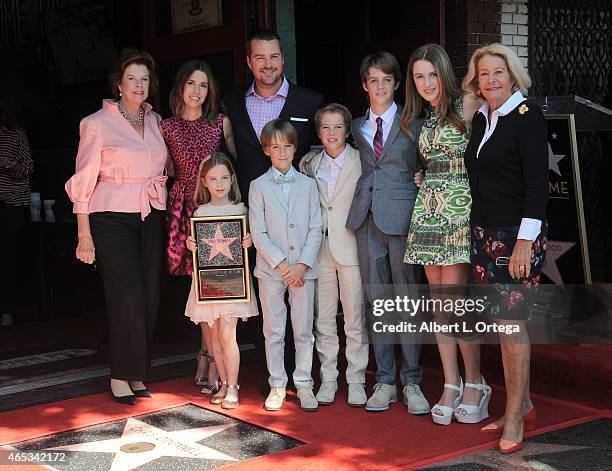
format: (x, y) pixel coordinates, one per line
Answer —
(153, 190)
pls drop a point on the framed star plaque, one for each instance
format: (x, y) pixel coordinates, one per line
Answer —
(220, 264)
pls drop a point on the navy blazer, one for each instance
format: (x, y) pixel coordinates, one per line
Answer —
(252, 162)
(509, 178)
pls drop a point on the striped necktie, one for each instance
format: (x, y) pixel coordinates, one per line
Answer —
(378, 138)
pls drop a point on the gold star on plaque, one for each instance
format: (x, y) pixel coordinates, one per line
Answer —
(219, 244)
(523, 109)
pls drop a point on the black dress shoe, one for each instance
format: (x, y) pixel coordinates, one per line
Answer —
(127, 400)
(142, 393)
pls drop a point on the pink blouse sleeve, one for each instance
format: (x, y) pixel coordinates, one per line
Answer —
(81, 185)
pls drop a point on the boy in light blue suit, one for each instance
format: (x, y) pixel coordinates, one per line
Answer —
(285, 221)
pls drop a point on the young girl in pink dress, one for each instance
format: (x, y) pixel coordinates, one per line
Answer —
(217, 194)
(194, 132)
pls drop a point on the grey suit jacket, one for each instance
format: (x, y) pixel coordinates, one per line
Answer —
(285, 231)
(386, 185)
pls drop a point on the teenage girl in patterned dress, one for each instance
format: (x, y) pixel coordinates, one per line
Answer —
(193, 133)
(439, 231)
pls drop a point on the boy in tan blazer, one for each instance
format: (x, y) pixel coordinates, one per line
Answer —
(285, 220)
(336, 170)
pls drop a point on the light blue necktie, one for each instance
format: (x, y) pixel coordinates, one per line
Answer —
(284, 179)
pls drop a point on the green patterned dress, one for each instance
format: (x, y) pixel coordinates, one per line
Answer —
(440, 226)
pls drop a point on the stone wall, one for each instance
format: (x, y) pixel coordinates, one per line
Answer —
(514, 27)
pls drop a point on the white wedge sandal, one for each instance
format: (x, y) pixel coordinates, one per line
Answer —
(447, 412)
(475, 413)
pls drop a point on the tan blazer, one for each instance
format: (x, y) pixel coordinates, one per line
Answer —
(334, 212)
(284, 231)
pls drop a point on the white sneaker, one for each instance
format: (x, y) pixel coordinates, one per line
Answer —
(357, 395)
(415, 400)
(327, 393)
(275, 399)
(383, 396)
(308, 402)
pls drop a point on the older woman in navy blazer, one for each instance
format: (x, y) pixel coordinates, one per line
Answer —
(507, 162)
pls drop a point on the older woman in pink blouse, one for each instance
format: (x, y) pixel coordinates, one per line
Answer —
(119, 195)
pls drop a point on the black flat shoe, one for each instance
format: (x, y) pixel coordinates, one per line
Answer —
(127, 400)
(142, 393)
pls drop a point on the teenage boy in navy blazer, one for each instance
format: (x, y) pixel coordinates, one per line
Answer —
(380, 216)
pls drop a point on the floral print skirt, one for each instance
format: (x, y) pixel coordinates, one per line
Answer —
(506, 297)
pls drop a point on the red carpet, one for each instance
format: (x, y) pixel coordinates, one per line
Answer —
(336, 436)
(574, 373)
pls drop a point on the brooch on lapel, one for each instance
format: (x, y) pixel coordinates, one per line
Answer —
(523, 109)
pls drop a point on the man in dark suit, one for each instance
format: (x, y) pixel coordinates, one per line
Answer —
(250, 108)
(269, 96)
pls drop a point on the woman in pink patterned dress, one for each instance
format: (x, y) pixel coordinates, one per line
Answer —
(192, 134)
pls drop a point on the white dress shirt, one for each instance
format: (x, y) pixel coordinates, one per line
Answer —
(285, 187)
(530, 228)
(329, 172)
(368, 128)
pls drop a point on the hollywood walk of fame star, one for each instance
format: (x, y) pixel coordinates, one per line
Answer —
(554, 250)
(525, 459)
(553, 160)
(142, 443)
(219, 244)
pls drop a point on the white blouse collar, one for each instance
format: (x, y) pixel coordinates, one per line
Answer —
(510, 104)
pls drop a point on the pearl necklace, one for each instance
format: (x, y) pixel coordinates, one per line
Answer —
(136, 120)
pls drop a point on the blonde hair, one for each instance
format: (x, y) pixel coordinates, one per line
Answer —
(518, 73)
(449, 92)
(201, 194)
